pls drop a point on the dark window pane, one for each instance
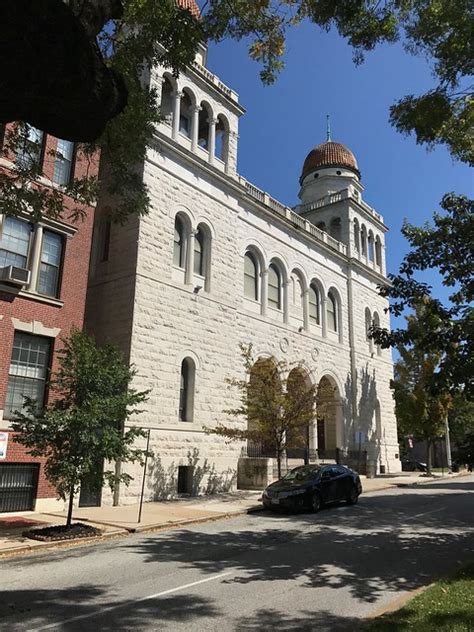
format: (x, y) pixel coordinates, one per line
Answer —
(274, 287)
(250, 277)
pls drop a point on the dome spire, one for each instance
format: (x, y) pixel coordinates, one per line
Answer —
(328, 129)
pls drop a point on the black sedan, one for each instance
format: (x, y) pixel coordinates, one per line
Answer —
(310, 486)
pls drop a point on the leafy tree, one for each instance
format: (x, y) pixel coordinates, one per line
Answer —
(140, 33)
(446, 330)
(83, 424)
(439, 30)
(420, 409)
(277, 405)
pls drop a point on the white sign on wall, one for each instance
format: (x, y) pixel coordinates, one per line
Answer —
(3, 445)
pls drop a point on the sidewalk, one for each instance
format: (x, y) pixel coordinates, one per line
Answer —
(123, 520)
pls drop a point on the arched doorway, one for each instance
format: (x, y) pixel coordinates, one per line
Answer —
(298, 439)
(264, 380)
(328, 418)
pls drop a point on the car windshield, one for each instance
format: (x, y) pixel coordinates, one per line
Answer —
(302, 473)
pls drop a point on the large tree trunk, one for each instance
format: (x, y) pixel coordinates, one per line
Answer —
(71, 503)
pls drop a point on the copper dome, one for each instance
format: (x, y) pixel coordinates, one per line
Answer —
(191, 6)
(329, 154)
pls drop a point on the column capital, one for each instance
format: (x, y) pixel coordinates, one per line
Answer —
(178, 94)
(196, 108)
(212, 121)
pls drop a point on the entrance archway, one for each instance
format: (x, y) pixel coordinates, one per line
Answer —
(298, 439)
(328, 418)
(263, 380)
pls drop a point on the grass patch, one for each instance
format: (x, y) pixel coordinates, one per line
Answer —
(447, 606)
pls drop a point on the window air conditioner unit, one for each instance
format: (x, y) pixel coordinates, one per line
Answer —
(14, 275)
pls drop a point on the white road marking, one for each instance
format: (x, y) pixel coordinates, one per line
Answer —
(129, 602)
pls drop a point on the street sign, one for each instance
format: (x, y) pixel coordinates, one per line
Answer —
(360, 437)
(3, 445)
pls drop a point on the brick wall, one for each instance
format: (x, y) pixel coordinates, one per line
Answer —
(51, 314)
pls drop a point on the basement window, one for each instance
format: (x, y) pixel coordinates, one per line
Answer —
(185, 479)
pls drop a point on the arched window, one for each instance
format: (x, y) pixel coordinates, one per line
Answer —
(179, 243)
(331, 312)
(376, 323)
(313, 305)
(370, 242)
(203, 129)
(199, 253)
(166, 109)
(356, 236)
(274, 287)
(368, 325)
(250, 276)
(186, 390)
(378, 251)
(185, 114)
(363, 240)
(335, 228)
(222, 139)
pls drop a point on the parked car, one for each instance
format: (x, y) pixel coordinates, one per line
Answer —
(413, 466)
(310, 486)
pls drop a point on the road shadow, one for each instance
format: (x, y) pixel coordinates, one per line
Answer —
(370, 550)
(76, 609)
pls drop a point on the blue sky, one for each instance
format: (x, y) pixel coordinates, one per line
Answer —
(284, 121)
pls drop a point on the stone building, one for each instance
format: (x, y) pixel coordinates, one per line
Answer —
(218, 262)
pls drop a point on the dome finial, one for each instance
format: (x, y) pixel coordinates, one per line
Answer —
(328, 129)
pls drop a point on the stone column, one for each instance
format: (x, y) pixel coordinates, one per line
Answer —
(195, 127)
(264, 292)
(212, 139)
(189, 274)
(35, 260)
(176, 110)
(324, 327)
(305, 300)
(286, 314)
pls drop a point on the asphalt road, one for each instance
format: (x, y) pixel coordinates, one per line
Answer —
(301, 572)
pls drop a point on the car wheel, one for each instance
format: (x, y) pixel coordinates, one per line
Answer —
(353, 496)
(315, 503)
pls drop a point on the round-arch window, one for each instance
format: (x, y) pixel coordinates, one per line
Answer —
(274, 287)
(250, 276)
(331, 312)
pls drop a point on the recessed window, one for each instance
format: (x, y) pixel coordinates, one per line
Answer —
(178, 245)
(185, 479)
(15, 242)
(331, 313)
(313, 304)
(63, 162)
(274, 287)
(28, 372)
(186, 390)
(50, 263)
(199, 253)
(29, 149)
(250, 277)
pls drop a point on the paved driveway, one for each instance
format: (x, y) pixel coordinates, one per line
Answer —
(302, 572)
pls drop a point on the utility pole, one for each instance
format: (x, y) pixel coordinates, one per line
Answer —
(448, 446)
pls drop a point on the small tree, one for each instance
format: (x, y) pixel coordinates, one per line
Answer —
(420, 408)
(84, 423)
(277, 406)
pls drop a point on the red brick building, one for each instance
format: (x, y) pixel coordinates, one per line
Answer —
(43, 283)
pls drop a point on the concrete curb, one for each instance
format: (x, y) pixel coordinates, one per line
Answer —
(121, 532)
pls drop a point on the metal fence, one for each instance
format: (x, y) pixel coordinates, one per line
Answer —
(355, 459)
